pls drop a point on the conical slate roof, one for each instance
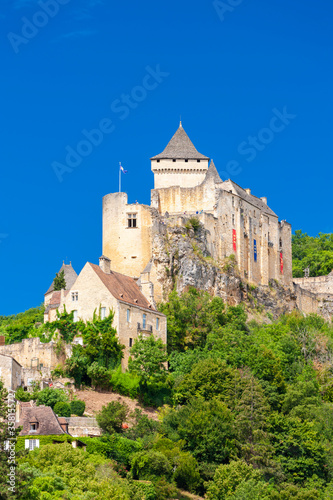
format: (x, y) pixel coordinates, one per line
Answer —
(180, 148)
(70, 277)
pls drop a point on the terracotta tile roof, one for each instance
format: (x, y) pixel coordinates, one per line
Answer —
(180, 147)
(70, 277)
(122, 287)
(48, 422)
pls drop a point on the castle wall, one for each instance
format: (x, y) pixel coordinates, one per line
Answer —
(183, 173)
(10, 373)
(129, 248)
(31, 353)
(318, 284)
(177, 200)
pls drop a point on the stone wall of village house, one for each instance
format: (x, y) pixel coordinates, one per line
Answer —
(31, 353)
(129, 248)
(10, 373)
(129, 330)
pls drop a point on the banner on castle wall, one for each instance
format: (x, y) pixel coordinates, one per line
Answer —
(255, 250)
(281, 262)
(234, 240)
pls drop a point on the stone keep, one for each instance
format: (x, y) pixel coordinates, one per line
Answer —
(187, 183)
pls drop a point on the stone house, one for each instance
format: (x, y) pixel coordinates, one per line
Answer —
(52, 298)
(99, 288)
(10, 372)
(38, 421)
(187, 184)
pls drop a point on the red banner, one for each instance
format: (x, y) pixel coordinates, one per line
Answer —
(234, 240)
(281, 262)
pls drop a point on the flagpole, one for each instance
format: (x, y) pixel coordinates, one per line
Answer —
(119, 177)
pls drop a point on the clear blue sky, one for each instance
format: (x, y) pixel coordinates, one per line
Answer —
(223, 72)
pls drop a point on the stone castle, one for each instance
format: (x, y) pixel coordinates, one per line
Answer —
(187, 185)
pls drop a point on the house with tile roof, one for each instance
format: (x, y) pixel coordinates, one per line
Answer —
(53, 298)
(37, 422)
(100, 288)
(187, 184)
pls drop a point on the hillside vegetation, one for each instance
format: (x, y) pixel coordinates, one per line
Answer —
(245, 409)
(313, 252)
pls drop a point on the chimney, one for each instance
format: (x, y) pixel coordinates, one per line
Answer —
(264, 199)
(248, 190)
(105, 264)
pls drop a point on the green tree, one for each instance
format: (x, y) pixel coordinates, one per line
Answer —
(59, 282)
(50, 397)
(313, 252)
(228, 477)
(149, 358)
(112, 416)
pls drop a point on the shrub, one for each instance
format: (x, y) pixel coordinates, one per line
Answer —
(49, 397)
(78, 407)
(100, 376)
(125, 383)
(112, 416)
(150, 465)
(23, 395)
(62, 409)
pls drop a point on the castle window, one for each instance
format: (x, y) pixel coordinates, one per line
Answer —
(130, 342)
(157, 323)
(131, 220)
(75, 296)
(103, 312)
(75, 316)
(233, 201)
(233, 219)
(128, 315)
(158, 161)
(280, 243)
(144, 321)
(198, 161)
(173, 160)
(186, 161)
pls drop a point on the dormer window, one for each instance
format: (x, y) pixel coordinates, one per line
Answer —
(75, 296)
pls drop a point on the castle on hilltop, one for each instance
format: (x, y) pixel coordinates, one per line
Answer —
(187, 184)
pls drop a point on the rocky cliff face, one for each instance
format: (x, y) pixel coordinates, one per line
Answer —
(182, 259)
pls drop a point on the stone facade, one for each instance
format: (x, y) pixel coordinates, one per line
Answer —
(10, 372)
(100, 289)
(186, 185)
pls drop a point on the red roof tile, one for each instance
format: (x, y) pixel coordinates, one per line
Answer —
(122, 287)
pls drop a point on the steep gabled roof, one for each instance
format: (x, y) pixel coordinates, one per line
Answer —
(122, 287)
(180, 148)
(48, 423)
(212, 172)
(257, 202)
(70, 277)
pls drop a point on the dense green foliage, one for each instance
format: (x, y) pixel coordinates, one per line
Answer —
(246, 409)
(313, 252)
(23, 325)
